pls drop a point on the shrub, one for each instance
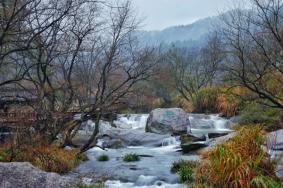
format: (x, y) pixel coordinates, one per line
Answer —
(103, 158)
(229, 101)
(10, 152)
(204, 100)
(256, 113)
(218, 99)
(177, 165)
(237, 162)
(131, 157)
(46, 157)
(54, 159)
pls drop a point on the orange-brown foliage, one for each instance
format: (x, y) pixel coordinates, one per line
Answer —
(236, 162)
(46, 157)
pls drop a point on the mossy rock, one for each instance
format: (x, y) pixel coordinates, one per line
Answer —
(187, 138)
(192, 146)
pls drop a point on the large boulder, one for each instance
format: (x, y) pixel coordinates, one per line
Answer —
(24, 175)
(168, 121)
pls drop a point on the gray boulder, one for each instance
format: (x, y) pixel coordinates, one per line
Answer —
(115, 138)
(24, 175)
(168, 121)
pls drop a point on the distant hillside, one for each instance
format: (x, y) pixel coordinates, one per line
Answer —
(185, 35)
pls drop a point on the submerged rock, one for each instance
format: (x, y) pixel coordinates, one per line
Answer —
(24, 175)
(168, 121)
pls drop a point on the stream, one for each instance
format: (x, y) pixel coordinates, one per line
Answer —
(153, 169)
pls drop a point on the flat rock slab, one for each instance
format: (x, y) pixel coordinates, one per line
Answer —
(134, 137)
(24, 175)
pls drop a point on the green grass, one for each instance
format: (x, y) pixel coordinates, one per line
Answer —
(131, 157)
(177, 165)
(103, 157)
(186, 174)
(184, 169)
(254, 113)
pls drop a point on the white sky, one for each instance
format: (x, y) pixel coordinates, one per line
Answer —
(159, 14)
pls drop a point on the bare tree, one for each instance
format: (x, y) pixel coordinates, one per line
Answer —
(254, 50)
(109, 67)
(40, 42)
(195, 69)
(22, 25)
(76, 55)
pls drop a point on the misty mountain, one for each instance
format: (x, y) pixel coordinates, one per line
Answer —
(192, 35)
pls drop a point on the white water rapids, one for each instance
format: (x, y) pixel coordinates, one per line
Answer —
(153, 169)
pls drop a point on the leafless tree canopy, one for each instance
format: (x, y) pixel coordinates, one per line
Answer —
(75, 55)
(254, 44)
(196, 69)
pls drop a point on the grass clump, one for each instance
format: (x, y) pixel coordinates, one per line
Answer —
(103, 157)
(186, 174)
(131, 157)
(239, 162)
(49, 158)
(185, 170)
(177, 165)
(54, 159)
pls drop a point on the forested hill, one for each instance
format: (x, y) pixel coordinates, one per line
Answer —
(183, 36)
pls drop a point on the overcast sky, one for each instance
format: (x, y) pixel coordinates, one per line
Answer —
(159, 14)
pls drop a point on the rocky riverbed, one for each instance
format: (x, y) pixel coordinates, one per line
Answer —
(156, 139)
(159, 139)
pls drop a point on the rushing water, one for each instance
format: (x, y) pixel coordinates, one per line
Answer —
(132, 121)
(153, 169)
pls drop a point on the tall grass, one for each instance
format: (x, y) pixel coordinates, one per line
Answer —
(46, 157)
(239, 162)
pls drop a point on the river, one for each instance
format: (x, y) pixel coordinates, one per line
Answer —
(153, 169)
